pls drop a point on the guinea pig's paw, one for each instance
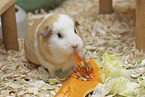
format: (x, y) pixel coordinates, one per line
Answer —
(32, 65)
(64, 74)
(52, 74)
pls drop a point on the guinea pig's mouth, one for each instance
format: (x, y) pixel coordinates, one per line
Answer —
(71, 52)
(75, 50)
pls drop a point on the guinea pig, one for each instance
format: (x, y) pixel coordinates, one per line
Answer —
(51, 42)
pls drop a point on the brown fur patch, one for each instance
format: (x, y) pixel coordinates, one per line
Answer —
(42, 41)
(29, 42)
(76, 25)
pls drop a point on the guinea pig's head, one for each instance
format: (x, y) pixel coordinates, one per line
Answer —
(62, 36)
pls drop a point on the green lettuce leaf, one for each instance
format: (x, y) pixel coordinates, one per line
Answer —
(112, 67)
(115, 79)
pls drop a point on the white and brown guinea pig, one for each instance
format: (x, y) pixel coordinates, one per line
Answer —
(51, 42)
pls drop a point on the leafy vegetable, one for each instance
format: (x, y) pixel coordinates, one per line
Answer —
(115, 78)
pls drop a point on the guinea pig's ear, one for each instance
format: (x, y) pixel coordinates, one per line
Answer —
(76, 23)
(45, 33)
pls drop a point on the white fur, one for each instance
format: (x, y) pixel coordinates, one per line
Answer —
(65, 25)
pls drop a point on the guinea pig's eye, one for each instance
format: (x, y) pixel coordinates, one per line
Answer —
(75, 31)
(59, 35)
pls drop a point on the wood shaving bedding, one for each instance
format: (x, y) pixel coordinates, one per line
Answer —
(113, 33)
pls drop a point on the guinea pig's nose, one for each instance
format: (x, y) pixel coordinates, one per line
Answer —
(74, 47)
